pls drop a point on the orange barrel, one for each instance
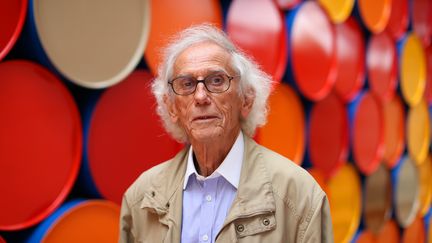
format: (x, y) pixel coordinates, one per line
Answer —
(350, 73)
(287, 4)
(389, 233)
(422, 19)
(394, 130)
(425, 171)
(12, 17)
(338, 10)
(345, 196)
(365, 236)
(428, 226)
(94, 44)
(375, 14)
(418, 132)
(40, 143)
(80, 221)
(406, 191)
(377, 204)
(320, 177)
(367, 130)
(285, 128)
(124, 137)
(259, 29)
(169, 17)
(428, 90)
(312, 44)
(381, 63)
(399, 19)
(415, 232)
(328, 136)
(412, 69)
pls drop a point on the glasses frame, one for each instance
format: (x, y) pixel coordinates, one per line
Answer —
(230, 78)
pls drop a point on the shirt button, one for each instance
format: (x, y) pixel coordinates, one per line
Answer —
(208, 198)
(205, 238)
(266, 221)
(240, 228)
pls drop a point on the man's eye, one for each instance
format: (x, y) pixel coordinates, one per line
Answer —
(187, 83)
(216, 80)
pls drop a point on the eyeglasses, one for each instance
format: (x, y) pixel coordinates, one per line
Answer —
(218, 82)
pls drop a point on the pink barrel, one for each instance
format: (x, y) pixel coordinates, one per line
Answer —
(259, 29)
(350, 73)
(12, 16)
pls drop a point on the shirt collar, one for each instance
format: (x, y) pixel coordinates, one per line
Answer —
(230, 168)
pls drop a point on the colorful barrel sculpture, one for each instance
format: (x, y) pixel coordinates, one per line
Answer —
(422, 19)
(406, 191)
(418, 132)
(80, 221)
(425, 171)
(328, 141)
(345, 203)
(124, 136)
(338, 10)
(40, 143)
(377, 204)
(394, 130)
(350, 73)
(287, 4)
(415, 232)
(93, 44)
(389, 233)
(381, 62)
(428, 90)
(375, 14)
(12, 16)
(367, 131)
(365, 236)
(320, 177)
(312, 44)
(412, 69)
(285, 128)
(170, 16)
(259, 30)
(399, 19)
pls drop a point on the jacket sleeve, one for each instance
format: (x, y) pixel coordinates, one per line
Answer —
(125, 223)
(320, 227)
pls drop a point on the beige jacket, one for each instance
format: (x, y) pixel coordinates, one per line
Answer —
(276, 201)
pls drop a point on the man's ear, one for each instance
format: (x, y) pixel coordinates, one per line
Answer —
(248, 101)
(171, 108)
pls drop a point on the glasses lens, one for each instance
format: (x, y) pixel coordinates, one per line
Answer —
(184, 85)
(217, 82)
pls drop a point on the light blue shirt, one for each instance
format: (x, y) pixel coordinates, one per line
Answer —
(207, 200)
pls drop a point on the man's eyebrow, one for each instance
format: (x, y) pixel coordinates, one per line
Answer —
(208, 72)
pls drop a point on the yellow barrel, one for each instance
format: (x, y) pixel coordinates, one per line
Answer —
(285, 128)
(425, 170)
(338, 10)
(412, 69)
(344, 192)
(407, 189)
(418, 132)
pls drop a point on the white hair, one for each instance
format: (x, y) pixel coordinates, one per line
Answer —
(253, 81)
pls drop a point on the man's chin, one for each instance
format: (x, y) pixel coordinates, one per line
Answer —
(205, 135)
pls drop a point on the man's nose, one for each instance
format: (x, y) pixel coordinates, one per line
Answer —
(201, 95)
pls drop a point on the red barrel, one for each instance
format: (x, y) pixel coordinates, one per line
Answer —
(312, 44)
(382, 66)
(428, 89)
(399, 19)
(125, 136)
(287, 4)
(328, 135)
(12, 16)
(422, 19)
(350, 73)
(40, 143)
(367, 133)
(259, 29)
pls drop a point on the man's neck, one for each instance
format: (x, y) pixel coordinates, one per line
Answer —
(208, 156)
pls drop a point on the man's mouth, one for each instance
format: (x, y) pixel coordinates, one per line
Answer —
(204, 118)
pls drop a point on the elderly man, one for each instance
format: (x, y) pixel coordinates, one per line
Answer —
(222, 187)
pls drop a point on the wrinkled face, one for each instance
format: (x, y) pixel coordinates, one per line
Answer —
(206, 116)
